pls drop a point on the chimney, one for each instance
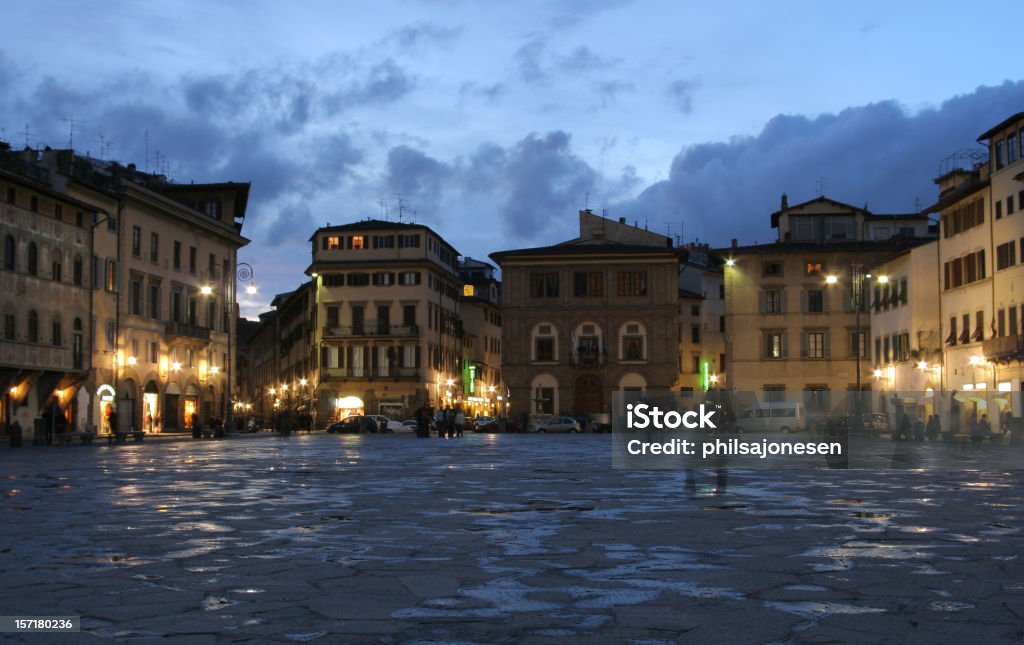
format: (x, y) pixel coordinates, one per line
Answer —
(622, 220)
(785, 202)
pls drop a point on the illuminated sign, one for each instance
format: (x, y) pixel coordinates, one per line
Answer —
(705, 376)
(468, 291)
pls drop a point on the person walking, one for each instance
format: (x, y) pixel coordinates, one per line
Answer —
(460, 422)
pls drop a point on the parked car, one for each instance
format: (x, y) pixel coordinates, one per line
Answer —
(781, 416)
(386, 424)
(559, 424)
(409, 425)
(494, 425)
(477, 423)
(353, 425)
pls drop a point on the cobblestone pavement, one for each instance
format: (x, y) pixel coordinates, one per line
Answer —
(498, 538)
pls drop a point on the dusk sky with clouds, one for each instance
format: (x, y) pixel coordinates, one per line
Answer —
(497, 122)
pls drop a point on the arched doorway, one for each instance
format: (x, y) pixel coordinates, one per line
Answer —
(589, 394)
(150, 396)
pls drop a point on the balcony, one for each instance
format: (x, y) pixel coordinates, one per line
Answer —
(186, 331)
(588, 357)
(1003, 347)
(372, 329)
(392, 373)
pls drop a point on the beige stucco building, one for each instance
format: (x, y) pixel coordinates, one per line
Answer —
(588, 318)
(387, 332)
(792, 331)
(161, 264)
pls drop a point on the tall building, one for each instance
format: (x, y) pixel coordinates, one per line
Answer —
(980, 249)
(387, 332)
(161, 266)
(588, 318)
(792, 330)
(480, 312)
(45, 346)
(701, 323)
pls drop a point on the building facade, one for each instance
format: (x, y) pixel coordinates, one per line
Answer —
(793, 331)
(589, 318)
(385, 313)
(480, 312)
(701, 323)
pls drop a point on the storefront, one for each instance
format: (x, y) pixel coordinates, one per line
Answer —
(150, 407)
(106, 396)
(169, 414)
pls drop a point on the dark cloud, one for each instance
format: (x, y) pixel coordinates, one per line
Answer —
(489, 94)
(417, 177)
(877, 154)
(292, 223)
(545, 181)
(584, 60)
(609, 91)
(680, 94)
(423, 34)
(386, 82)
(528, 60)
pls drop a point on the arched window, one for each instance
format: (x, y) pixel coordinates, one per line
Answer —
(588, 344)
(10, 253)
(33, 258)
(56, 335)
(632, 342)
(544, 343)
(76, 271)
(33, 326)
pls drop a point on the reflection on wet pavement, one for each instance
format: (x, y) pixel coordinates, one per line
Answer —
(500, 537)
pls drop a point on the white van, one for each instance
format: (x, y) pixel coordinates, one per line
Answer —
(783, 416)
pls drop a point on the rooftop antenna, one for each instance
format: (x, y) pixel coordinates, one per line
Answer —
(383, 208)
(26, 132)
(401, 205)
(586, 201)
(104, 147)
(70, 120)
(917, 204)
(821, 186)
(145, 138)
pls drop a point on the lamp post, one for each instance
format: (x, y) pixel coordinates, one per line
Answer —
(243, 273)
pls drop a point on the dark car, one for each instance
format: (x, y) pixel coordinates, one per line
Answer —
(353, 425)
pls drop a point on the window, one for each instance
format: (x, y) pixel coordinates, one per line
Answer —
(111, 275)
(544, 285)
(409, 278)
(331, 242)
(136, 241)
(10, 253)
(12, 195)
(9, 326)
(409, 315)
(408, 241)
(816, 344)
(154, 248)
(135, 296)
(813, 268)
(333, 279)
(772, 301)
(356, 242)
(695, 310)
(979, 325)
(545, 400)
(632, 283)
(695, 334)
(383, 279)
(76, 271)
(633, 348)
(772, 269)
(33, 326)
(1001, 323)
(33, 203)
(383, 241)
(358, 279)
(1006, 255)
(33, 258)
(1011, 149)
(177, 255)
(721, 323)
(695, 364)
(154, 353)
(57, 270)
(154, 300)
(774, 345)
(544, 349)
(1014, 330)
(816, 301)
(192, 260)
(817, 398)
(587, 284)
(56, 337)
(1009, 205)
(1000, 154)
(859, 344)
(999, 209)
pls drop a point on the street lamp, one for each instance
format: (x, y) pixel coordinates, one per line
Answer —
(243, 273)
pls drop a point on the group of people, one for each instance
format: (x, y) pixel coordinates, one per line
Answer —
(979, 428)
(449, 422)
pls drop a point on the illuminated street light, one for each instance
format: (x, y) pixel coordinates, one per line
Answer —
(206, 290)
(831, 279)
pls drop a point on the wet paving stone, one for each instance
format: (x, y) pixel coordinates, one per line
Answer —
(500, 538)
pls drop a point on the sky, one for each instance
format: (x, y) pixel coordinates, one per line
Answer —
(495, 122)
